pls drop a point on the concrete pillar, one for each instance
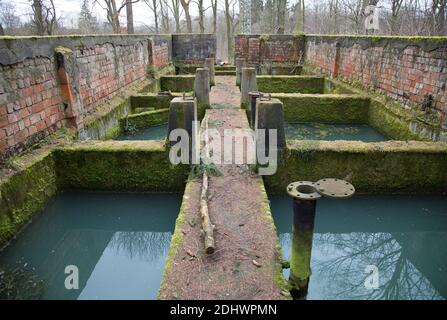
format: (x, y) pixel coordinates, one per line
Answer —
(202, 91)
(269, 116)
(182, 113)
(240, 63)
(210, 64)
(248, 84)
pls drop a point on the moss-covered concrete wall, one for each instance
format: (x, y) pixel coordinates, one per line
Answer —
(290, 84)
(145, 120)
(119, 166)
(25, 193)
(155, 101)
(177, 83)
(327, 108)
(392, 119)
(388, 167)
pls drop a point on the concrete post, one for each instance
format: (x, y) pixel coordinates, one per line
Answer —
(210, 64)
(270, 116)
(182, 113)
(240, 63)
(202, 91)
(248, 84)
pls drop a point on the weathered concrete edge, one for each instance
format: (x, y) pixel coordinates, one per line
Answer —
(392, 167)
(177, 236)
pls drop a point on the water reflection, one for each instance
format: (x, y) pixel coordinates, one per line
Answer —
(407, 246)
(331, 132)
(119, 243)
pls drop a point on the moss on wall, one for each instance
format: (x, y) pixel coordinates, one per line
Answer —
(145, 120)
(24, 194)
(186, 69)
(155, 101)
(290, 84)
(391, 166)
(182, 83)
(391, 118)
(119, 166)
(107, 126)
(325, 108)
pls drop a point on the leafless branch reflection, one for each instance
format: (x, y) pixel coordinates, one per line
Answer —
(148, 246)
(346, 256)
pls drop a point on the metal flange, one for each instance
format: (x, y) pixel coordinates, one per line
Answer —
(303, 190)
(335, 188)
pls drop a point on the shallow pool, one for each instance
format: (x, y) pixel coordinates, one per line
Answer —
(118, 242)
(151, 133)
(403, 236)
(331, 132)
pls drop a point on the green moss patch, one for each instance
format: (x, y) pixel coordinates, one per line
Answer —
(327, 108)
(290, 84)
(389, 167)
(24, 194)
(154, 101)
(182, 83)
(145, 120)
(119, 166)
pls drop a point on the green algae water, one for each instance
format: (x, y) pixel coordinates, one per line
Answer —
(118, 242)
(403, 236)
(151, 133)
(332, 132)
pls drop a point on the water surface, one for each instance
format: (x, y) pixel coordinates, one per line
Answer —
(404, 236)
(119, 243)
(331, 132)
(151, 133)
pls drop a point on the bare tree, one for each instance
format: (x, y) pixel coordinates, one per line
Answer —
(129, 17)
(113, 11)
(281, 18)
(174, 7)
(87, 21)
(214, 7)
(153, 5)
(44, 17)
(9, 21)
(185, 5)
(202, 10)
(438, 16)
(299, 15)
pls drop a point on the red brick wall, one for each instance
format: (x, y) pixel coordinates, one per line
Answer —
(33, 100)
(30, 103)
(160, 55)
(276, 49)
(103, 70)
(403, 69)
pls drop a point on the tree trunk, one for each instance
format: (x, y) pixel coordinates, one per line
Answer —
(201, 16)
(2, 31)
(282, 6)
(129, 14)
(154, 4)
(229, 37)
(299, 17)
(38, 17)
(214, 5)
(185, 5)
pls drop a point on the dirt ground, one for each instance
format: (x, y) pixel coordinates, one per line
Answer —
(246, 262)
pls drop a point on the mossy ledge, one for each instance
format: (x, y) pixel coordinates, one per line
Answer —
(119, 166)
(25, 193)
(389, 167)
(182, 83)
(326, 108)
(290, 84)
(145, 119)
